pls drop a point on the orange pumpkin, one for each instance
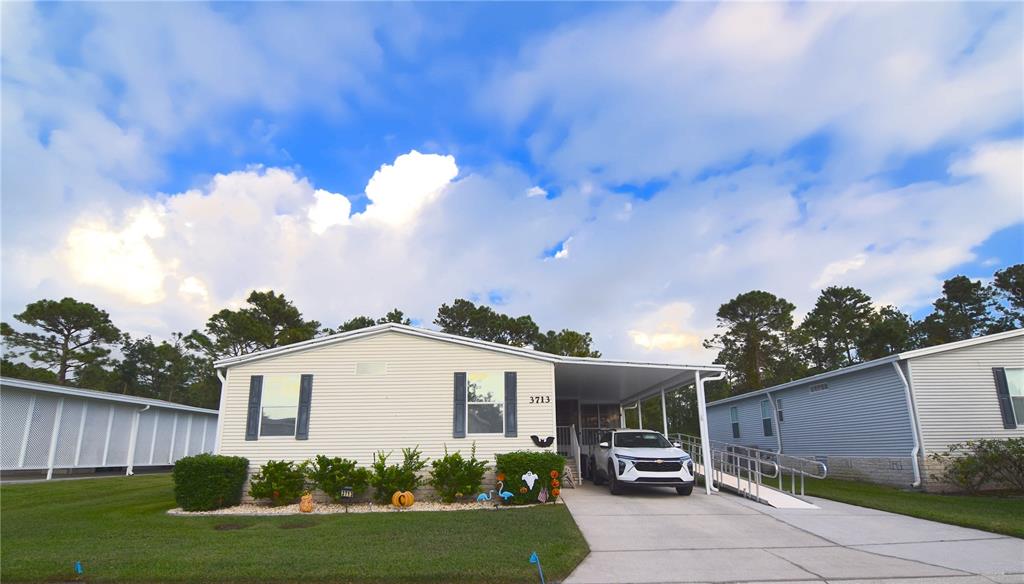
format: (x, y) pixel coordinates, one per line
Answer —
(501, 476)
(402, 499)
(555, 483)
(554, 492)
(554, 474)
(524, 490)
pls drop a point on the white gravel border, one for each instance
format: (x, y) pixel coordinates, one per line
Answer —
(254, 509)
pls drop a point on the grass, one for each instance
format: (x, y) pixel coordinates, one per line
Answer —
(119, 530)
(990, 513)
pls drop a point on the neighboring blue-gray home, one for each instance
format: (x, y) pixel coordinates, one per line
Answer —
(880, 420)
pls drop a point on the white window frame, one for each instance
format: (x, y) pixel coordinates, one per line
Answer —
(734, 421)
(1018, 417)
(259, 432)
(778, 408)
(501, 393)
(771, 423)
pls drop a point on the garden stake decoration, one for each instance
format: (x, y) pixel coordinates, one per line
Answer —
(78, 568)
(536, 560)
(543, 495)
(505, 495)
(529, 478)
(484, 497)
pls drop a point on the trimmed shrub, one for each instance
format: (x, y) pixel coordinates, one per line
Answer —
(970, 465)
(453, 476)
(208, 481)
(331, 475)
(1004, 460)
(280, 481)
(547, 466)
(386, 479)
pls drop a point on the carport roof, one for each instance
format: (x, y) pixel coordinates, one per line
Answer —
(575, 377)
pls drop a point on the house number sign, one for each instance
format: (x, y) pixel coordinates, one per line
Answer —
(540, 399)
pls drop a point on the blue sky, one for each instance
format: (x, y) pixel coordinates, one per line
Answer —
(618, 168)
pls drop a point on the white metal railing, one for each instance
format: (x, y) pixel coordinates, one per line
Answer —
(563, 439)
(576, 453)
(753, 465)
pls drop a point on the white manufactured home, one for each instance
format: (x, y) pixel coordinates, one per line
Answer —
(48, 428)
(881, 420)
(393, 386)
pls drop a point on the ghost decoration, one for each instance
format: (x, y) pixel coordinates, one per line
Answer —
(529, 478)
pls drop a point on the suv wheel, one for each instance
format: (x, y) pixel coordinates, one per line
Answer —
(685, 490)
(614, 486)
(595, 474)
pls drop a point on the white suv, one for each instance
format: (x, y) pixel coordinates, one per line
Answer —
(640, 457)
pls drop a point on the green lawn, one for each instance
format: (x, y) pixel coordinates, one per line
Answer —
(997, 514)
(118, 529)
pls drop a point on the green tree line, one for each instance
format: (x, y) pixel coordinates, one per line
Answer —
(70, 342)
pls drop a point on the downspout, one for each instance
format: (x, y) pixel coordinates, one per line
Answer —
(133, 443)
(220, 411)
(913, 424)
(705, 439)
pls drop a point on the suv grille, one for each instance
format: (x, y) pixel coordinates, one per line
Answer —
(653, 466)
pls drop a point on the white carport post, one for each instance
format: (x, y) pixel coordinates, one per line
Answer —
(705, 440)
(664, 412)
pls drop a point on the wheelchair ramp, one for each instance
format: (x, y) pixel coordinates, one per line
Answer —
(757, 492)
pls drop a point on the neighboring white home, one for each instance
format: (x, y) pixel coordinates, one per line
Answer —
(880, 420)
(393, 386)
(46, 427)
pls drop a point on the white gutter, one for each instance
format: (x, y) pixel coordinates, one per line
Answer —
(913, 424)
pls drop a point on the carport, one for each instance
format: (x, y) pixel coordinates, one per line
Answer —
(593, 394)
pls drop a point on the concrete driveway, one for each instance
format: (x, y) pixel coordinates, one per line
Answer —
(654, 535)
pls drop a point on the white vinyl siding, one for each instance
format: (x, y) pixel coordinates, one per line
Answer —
(955, 392)
(410, 404)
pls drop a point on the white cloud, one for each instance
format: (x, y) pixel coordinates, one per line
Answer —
(836, 269)
(329, 210)
(122, 261)
(536, 191)
(665, 330)
(677, 89)
(398, 191)
(564, 252)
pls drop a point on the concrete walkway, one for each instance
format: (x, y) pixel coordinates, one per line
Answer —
(654, 535)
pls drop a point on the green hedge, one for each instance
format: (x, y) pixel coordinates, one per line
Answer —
(280, 481)
(513, 465)
(208, 481)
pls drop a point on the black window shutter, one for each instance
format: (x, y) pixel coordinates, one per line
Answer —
(305, 397)
(459, 420)
(252, 422)
(1003, 392)
(511, 409)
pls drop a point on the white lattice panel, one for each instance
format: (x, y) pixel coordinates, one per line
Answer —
(14, 406)
(144, 438)
(38, 447)
(67, 434)
(179, 436)
(120, 435)
(94, 436)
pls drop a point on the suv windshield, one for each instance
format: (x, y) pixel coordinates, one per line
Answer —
(641, 440)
